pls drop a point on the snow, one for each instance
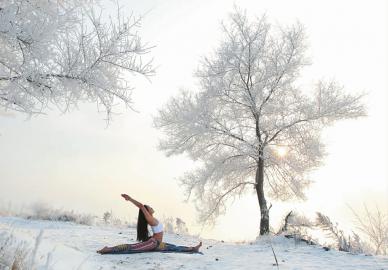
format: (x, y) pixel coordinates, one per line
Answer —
(73, 246)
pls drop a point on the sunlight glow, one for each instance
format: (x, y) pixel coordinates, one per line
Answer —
(281, 151)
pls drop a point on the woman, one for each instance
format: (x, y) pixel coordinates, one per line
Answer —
(147, 243)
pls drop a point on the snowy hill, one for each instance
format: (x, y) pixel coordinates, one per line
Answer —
(72, 246)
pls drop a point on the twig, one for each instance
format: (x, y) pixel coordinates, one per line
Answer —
(274, 255)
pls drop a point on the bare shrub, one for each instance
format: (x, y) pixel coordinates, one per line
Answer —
(180, 226)
(374, 225)
(301, 228)
(107, 216)
(348, 243)
(175, 225)
(42, 211)
(298, 227)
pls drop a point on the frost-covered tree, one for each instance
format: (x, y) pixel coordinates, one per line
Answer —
(62, 52)
(250, 123)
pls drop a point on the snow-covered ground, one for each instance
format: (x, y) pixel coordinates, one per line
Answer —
(73, 246)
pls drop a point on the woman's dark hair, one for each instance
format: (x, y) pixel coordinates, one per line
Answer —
(142, 229)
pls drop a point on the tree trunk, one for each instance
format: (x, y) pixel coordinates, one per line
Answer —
(264, 211)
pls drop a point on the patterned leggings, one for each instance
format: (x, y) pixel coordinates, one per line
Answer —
(170, 247)
(149, 245)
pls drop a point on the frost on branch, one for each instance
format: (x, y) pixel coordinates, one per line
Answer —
(63, 52)
(343, 242)
(249, 107)
(374, 226)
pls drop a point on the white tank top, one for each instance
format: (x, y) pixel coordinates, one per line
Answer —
(157, 228)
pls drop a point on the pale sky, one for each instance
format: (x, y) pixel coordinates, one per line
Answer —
(74, 161)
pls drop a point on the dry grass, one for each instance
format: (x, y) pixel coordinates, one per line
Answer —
(18, 255)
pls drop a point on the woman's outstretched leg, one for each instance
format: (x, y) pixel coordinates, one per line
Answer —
(174, 248)
(148, 245)
(104, 250)
(196, 248)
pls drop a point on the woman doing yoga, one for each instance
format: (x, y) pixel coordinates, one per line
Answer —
(146, 242)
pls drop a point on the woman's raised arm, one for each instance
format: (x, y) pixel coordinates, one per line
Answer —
(128, 198)
(150, 219)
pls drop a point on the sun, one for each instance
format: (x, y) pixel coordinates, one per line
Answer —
(281, 151)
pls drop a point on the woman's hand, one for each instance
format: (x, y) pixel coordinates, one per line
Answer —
(126, 197)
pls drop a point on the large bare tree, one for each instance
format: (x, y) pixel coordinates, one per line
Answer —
(63, 52)
(250, 124)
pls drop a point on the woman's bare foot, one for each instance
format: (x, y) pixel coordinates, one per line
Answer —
(104, 250)
(196, 248)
